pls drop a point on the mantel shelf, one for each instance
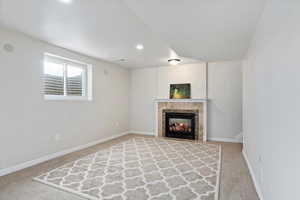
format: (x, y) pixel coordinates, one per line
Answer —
(181, 100)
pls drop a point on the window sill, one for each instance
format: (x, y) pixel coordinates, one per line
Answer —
(66, 98)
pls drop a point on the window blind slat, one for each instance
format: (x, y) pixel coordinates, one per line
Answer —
(74, 86)
(53, 85)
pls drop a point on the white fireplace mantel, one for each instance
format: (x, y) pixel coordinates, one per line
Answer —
(204, 101)
(181, 100)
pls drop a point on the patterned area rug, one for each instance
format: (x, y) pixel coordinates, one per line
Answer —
(143, 168)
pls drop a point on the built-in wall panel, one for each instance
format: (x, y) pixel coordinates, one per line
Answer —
(225, 101)
(142, 95)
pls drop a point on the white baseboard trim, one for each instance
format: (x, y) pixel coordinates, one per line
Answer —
(219, 139)
(142, 133)
(255, 182)
(55, 155)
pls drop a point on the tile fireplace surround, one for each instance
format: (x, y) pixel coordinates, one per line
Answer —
(197, 106)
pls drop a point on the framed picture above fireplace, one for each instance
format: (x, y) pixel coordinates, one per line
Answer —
(180, 91)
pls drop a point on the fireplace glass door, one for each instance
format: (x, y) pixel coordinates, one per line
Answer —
(180, 125)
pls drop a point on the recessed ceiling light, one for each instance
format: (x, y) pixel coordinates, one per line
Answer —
(66, 1)
(174, 61)
(139, 47)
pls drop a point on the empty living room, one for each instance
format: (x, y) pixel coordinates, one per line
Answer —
(149, 99)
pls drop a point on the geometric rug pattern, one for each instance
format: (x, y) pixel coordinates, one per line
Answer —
(143, 168)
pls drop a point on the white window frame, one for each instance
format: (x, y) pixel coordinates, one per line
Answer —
(87, 84)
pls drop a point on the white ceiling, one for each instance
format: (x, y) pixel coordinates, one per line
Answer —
(211, 30)
(110, 29)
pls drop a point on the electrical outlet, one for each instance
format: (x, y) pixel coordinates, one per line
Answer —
(1, 164)
(259, 159)
(117, 124)
(261, 172)
(261, 178)
(57, 137)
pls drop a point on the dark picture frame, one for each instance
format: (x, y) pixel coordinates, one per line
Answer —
(180, 91)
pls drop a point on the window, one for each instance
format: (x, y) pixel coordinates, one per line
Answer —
(66, 79)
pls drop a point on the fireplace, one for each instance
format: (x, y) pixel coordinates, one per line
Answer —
(180, 125)
(190, 109)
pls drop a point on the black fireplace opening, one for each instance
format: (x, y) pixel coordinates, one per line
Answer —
(180, 125)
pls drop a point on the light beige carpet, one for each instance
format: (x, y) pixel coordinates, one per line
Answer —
(143, 168)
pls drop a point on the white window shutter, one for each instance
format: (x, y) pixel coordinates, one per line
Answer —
(53, 78)
(65, 78)
(75, 80)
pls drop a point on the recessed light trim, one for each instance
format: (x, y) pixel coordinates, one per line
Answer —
(139, 47)
(66, 1)
(174, 61)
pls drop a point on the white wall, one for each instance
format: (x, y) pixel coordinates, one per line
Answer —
(225, 101)
(29, 123)
(195, 74)
(225, 94)
(142, 95)
(271, 101)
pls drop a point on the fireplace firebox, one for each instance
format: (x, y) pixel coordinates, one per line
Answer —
(180, 125)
